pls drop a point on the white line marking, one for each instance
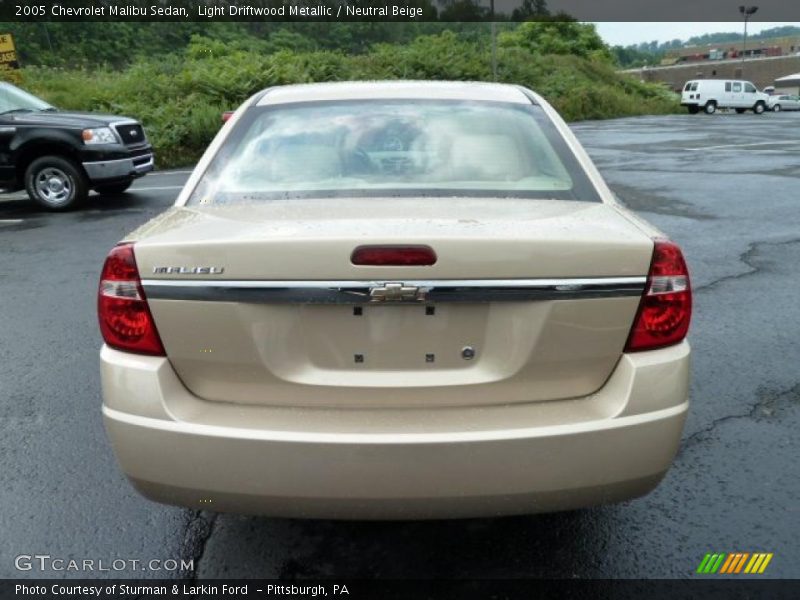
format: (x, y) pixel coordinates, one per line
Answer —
(10, 221)
(745, 145)
(166, 187)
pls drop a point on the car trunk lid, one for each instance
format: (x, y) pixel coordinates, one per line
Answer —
(526, 301)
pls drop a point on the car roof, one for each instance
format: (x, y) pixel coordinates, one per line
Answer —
(718, 80)
(402, 90)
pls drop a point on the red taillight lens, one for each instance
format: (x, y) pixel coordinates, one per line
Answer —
(125, 319)
(666, 306)
(393, 256)
(226, 116)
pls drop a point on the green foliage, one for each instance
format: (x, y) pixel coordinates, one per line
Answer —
(557, 37)
(91, 44)
(442, 56)
(581, 89)
(180, 96)
(630, 57)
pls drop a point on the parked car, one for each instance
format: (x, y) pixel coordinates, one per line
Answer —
(712, 94)
(395, 300)
(783, 102)
(58, 156)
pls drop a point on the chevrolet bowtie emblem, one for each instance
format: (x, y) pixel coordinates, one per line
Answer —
(395, 291)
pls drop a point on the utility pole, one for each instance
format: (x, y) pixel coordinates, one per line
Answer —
(494, 43)
(746, 12)
(47, 35)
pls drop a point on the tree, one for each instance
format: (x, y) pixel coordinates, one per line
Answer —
(529, 9)
(463, 10)
(557, 37)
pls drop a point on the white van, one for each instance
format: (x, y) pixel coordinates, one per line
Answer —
(711, 94)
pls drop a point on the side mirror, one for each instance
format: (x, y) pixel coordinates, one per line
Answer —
(227, 115)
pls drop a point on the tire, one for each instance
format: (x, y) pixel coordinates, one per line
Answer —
(710, 108)
(740, 111)
(56, 183)
(759, 108)
(776, 108)
(693, 110)
(113, 188)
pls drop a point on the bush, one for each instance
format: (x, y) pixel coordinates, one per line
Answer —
(557, 37)
(180, 97)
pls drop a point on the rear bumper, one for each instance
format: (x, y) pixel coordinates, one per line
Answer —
(413, 463)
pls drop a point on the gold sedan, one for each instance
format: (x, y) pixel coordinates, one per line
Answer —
(395, 300)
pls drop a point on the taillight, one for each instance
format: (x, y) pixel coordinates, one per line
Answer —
(226, 116)
(125, 319)
(666, 306)
(393, 256)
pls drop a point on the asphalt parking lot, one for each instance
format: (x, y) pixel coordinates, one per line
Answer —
(726, 187)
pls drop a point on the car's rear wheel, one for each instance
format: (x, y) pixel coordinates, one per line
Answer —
(113, 188)
(56, 183)
(758, 108)
(776, 108)
(710, 108)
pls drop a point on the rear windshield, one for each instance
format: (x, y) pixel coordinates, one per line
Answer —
(393, 149)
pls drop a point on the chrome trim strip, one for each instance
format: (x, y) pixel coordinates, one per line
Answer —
(358, 292)
(144, 167)
(109, 169)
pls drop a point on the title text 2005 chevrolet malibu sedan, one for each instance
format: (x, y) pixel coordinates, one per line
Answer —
(395, 300)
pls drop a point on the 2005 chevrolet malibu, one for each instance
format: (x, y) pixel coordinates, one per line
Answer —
(395, 300)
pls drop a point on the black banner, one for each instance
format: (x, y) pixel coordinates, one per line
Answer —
(392, 10)
(708, 589)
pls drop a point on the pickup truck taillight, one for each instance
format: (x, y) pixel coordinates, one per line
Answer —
(125, 319)
(665, 309)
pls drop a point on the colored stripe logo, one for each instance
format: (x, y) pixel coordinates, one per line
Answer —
(734, 563)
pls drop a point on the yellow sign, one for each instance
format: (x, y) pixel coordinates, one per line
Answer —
(8, 52)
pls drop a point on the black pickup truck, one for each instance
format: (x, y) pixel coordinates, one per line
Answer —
(58, 156)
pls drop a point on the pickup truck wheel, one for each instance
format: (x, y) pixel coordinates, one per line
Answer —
(113, 188)
(758, 108)
(55, 183)
(710, 108)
